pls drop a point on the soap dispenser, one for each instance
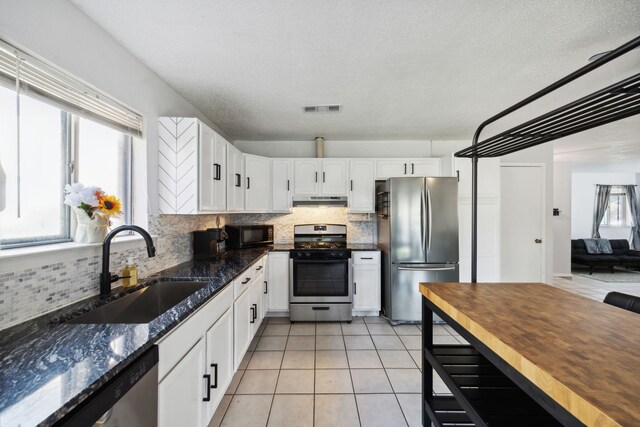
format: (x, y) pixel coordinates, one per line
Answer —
(129, 274)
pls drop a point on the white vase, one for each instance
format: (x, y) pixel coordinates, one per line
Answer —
(90, 230)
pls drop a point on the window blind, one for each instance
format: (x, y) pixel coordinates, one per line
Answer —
(35, 78)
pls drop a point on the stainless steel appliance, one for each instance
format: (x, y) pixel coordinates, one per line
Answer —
(320, 274)
(128, 399)
(418, 239)
(245, 236)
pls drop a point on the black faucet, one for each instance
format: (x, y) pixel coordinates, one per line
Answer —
(106, 278)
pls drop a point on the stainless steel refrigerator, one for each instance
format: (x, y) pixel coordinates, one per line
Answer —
(418, 238)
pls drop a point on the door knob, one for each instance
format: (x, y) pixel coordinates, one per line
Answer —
(538, 240)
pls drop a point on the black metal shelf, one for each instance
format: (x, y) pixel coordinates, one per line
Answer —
(482, 394)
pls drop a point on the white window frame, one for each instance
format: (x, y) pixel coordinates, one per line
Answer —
(617, 191)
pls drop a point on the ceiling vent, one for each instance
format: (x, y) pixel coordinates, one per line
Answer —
(323, 108)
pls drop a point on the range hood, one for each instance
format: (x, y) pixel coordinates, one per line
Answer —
(320, 201)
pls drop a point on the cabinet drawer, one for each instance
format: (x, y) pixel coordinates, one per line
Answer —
(249, 276)
(178, 342)
(367, 257)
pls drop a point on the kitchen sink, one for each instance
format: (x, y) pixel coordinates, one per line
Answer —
(141, 306)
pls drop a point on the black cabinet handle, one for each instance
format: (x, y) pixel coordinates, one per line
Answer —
(287, 185)
(320, 308)
(253, 317)
(215, 375)
(266, 287)
(208, 388)
(216, 172)
(247, 280)
(248, 183)
(458, 175)
(238, 180)
(259, 268)
(405, 168)
(412, 169)
(316, 176)
(323, 176)
(351, 185)
(255, 311)
(355, 288)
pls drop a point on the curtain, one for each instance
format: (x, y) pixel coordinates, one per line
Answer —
(632, 200)
(599, 208)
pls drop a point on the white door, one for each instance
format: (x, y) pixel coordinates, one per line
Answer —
(219, 174)
(366, 287)
(207, 172)
(242, 315)
(258, 183)
(181, 392)
(219, 345)
(334, 177)
(306, 179)
(424, 167)
(391, 168)
(522, 223)
(281, 172)
(278, 281)
(361, 186)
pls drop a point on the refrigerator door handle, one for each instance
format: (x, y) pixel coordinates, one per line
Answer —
(430, 218)
(439, 268)
(423, 219)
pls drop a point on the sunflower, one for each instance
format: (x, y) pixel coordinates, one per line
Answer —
(109, 204)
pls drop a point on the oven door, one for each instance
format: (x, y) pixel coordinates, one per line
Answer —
(314, 281)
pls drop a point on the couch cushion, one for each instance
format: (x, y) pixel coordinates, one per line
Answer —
(620, 246)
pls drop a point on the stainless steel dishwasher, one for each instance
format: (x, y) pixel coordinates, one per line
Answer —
(128, 399)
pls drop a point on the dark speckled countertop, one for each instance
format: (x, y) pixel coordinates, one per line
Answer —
(47, 368)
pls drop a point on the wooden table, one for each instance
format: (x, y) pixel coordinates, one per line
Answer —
(535, 351)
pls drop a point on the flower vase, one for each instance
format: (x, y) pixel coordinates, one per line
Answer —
(90, 230)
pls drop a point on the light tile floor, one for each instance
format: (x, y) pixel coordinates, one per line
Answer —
(366, 373)
(595, 289)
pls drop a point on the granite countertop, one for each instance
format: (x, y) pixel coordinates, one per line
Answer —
(48, 368)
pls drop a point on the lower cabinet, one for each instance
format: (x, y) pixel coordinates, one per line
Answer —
(242, 326)
(366, 283)
(278, 282)
(196, 364)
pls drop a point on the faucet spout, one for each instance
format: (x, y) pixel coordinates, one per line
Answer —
(106, 278)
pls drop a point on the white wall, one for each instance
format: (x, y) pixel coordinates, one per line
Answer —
(562, 223)
(583, 188)
(337, 148)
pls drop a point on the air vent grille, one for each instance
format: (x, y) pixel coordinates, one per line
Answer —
(334, 108)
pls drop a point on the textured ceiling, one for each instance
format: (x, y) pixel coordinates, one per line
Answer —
(401, 69)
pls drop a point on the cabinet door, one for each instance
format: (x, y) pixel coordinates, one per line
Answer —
(282, 174)
(488, 177)
(239, 180)
(306, 177)
(257, 286)
(235, 172)
(424, 167)
(391, 168)
(242, 315)
(219, 356)
(278, 281)
(220, 171)
(181, 392)
(366, 287)
(207, 169)
(361, 186)
(265, 284)
(334, 177)
(258, 183)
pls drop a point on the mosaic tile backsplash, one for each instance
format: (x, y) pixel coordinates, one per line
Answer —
(60, 280)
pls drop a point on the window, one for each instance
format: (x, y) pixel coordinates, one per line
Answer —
(617, 212)
(55, 130)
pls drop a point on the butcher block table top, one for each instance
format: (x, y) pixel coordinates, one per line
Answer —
(583, 353)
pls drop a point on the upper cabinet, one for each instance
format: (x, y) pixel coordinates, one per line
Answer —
(191, 167)
(235, 179)
(488, 177)
(257, 183)
(281, 184)
(393, 168)
(320, 177)
(361, 186)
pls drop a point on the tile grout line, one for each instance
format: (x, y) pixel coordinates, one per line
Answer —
(350, 376)
(273, 396)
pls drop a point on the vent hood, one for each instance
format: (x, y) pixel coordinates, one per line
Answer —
(320, 201)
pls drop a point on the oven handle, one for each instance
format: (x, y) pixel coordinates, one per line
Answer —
(321, 261)
(320, 308)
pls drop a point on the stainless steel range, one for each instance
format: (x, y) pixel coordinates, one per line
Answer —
(321, 282)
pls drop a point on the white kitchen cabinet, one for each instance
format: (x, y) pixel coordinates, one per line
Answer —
(257, 292)
(265, 284)
(306, 177)
(242, 318)
(258, 183)
(219, 356)
(366, 283)
(281, 184)
(361, 186)
(488, 177)
(278, 282)
(235, 179)
(212, 170)
(181, 392)
(334, 177)
(393, 168)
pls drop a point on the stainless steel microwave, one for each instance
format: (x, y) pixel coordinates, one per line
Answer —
(246, 236)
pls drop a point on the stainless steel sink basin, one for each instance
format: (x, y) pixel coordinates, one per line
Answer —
(141, 306)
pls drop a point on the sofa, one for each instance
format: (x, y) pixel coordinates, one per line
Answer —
(621, 256)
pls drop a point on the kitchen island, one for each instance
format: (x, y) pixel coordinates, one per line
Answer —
(538, 355)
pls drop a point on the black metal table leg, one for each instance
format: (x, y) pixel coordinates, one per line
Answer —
(427, 372)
